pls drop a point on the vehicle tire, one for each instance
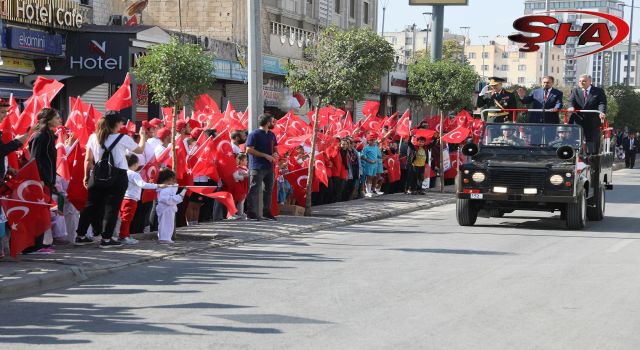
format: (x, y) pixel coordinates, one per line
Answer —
(466, 212)
(595, 212)
(577, 213)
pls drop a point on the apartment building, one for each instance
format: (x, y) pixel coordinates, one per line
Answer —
(610, 67)
(413, 39)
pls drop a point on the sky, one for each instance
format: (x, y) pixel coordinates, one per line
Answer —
(485, 17)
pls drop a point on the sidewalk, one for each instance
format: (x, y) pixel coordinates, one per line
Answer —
(70, 265)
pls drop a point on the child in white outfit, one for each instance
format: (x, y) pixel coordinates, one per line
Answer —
(167, 207)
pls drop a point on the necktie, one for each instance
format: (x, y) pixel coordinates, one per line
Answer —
(546, 95)
(585, 95)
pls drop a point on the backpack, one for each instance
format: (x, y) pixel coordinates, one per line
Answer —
(104, 172)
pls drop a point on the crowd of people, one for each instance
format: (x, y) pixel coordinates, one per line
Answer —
(129, 184)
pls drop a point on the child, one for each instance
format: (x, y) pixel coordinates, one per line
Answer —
(370, 154)
(241, 187)
(167, 206)
(285, 191)
(131, 197)
(416, 162)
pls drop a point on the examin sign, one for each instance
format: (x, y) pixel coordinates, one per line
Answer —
(539, 29)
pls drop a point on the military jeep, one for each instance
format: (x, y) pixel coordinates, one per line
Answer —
(539, 167)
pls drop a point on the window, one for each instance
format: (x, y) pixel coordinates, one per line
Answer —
(336, 6)
(553, 57)
(352, 9)
(522, 80)
(505, 55)
(522, 55)
(504, 67)
(522, 67)
(485, 67)
(472, 55)
(408, 41)
(485, 55)
(424, 41)
(365, 17)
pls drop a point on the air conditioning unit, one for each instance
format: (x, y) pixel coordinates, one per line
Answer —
(203, 41)
(116, 20)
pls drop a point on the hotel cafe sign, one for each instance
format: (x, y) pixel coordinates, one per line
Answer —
(64, 14)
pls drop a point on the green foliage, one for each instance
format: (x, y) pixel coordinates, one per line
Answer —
(176, 72)
(446, 84)
(627, 102)
(345, 65)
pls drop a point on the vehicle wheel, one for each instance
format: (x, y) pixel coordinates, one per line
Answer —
(595, 212)
(496, 213)
(577, 214)
(466, 213)
(563, 214)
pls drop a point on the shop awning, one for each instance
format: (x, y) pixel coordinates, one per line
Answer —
(19, 91)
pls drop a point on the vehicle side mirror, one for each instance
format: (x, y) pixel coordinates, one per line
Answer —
(470, 149)
(565, 152)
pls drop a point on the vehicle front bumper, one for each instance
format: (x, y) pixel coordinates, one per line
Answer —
(500, 197)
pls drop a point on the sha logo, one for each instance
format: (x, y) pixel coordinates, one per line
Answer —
(596, 32)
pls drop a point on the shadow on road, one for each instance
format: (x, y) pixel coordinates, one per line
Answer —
(452, 251)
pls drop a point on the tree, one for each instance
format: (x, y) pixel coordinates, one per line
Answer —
(176, 74)
(628, 105)
(344, 65)
(445, 84)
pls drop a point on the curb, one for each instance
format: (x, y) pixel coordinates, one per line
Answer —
(60, 279)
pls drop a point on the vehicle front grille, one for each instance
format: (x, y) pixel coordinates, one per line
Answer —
(518, 179)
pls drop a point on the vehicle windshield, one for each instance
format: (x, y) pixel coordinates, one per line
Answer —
(531, 135)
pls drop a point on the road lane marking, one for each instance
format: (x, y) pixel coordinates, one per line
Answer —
(619, 246)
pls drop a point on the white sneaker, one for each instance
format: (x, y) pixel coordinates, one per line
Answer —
(368, 194)
(129, 241)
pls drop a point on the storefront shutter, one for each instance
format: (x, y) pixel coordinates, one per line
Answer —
(97, 96)
(238, 94)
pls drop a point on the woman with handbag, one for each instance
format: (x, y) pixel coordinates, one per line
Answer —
(105, 178)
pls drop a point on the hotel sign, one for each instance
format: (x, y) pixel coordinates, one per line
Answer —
(64, 14)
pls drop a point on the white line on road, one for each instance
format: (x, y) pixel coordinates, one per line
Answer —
(619, 246)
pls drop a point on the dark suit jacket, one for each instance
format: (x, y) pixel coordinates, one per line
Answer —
(596, 100)
(626, 144)
(554, 100)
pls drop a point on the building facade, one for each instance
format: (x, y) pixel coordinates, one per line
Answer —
(501, 58)
(613, 7)
(413, 39)
(610, 67)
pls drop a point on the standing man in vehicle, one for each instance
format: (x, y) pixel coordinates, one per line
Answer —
(587, 96)
(545, 97)
(494, 96)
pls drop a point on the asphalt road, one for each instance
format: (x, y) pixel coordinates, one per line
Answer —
(417, 281)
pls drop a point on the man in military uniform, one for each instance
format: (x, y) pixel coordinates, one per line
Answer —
(508, 136)
(494, 96)
(562, 138)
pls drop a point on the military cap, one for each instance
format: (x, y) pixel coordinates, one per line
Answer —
(496, 80)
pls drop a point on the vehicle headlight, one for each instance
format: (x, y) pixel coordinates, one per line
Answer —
(478, 177)
(556, 180)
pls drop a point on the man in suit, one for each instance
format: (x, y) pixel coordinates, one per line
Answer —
(545, 97)
(587, 96)
(494, 96)
(630, 146)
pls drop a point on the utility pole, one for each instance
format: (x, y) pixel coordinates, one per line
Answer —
(415, 38)
(483, 37)
(464, 43)
(426, 44)
(545, 63)
(629, 48)
(437, 19)
(254, 56)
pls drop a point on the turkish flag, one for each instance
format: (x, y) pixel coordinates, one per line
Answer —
(122, 98)
(391, 121)
(225, 198)
(372, 123)
(131, 127)
(298, 181)
(392, 164)
(77, 121)
(27, 221)
(46, 90)
(13, 112)
(181, 159)
(8, 132)
(476, 129)
(427, 134)
(62, 163)
(203, 161)
(207, 104)
(403, 127)
(320, 169)
(371, 108)
(457, 135)
(463, 118)
(348, 123)
(76, 192)
(26, 184)
(149, 173)
(289, 143)
(28, 117)
(93, 116)
(133, 21)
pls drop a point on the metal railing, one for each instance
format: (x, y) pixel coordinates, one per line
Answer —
(514, 112)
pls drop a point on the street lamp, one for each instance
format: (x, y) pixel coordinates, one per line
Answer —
(464, 42)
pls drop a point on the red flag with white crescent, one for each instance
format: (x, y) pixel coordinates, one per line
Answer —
(298, 181)
(457, 135)
(122, 98)
(27, 220)
(403, 127)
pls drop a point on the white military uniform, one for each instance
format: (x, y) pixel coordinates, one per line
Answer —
(167, 208)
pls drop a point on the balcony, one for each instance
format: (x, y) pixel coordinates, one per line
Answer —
(289, 41)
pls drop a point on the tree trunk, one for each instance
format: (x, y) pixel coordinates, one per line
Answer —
(441, 152)
(312, 157)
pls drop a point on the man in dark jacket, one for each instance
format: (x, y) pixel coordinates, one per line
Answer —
(630, 146)
(588, 97)
(545, 97)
